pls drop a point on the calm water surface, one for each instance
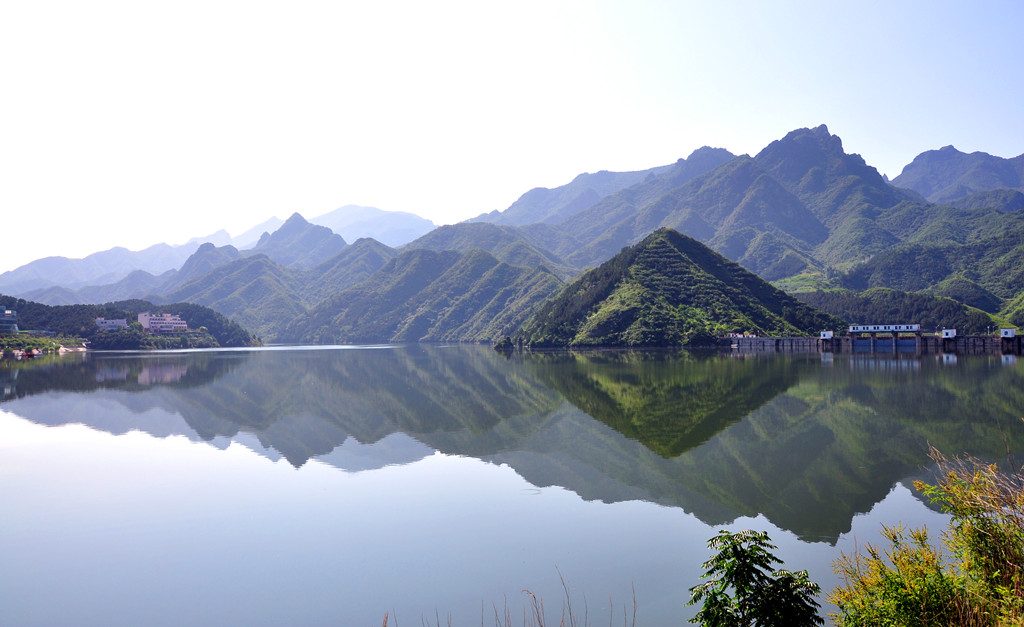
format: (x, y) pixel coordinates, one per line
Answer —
(329, 486)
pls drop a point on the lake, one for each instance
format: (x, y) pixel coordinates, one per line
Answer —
(329, 485)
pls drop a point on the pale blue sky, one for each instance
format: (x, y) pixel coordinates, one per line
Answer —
(128, 123)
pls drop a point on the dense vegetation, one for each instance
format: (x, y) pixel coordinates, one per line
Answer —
(668, 290)
(424, 295)
(742, 590)
(885, 306)
(979, 582)
(995, 265)
(37, 343)
(207, 327)
(505, 243)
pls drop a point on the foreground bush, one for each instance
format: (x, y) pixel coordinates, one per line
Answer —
(742, 591)
(979, 582)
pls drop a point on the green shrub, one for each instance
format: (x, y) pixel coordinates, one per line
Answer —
(980, 582)
(741, 590)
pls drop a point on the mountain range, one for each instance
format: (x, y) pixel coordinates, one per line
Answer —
(802, 213)
(351, 222)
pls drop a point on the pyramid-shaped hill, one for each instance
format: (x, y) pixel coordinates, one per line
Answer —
(668, 290)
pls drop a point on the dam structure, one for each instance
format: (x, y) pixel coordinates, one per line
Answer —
(884, 338)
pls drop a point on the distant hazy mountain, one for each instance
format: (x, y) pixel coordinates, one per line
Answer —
(99, 268)
(140, 284)
(206, 258)
(249, 238)
(392, 228)
(543, 205)
(299, 244)
(218, 238)
(108, 267)
(668, 290)
(947, 174)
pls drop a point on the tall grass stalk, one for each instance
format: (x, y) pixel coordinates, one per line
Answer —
(534, 614)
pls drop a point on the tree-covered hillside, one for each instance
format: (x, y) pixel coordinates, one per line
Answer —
(80, 321)
(887, 306)
(668, 290)
(425, 295)
(506, 243)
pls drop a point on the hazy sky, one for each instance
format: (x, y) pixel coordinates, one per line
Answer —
(131, 123)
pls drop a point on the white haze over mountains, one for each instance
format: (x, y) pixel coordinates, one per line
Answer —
(351, 222)
(127, 123)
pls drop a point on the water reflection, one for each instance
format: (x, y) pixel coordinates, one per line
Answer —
(806, 441)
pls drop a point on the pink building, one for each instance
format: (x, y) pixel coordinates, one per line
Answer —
(162, 323)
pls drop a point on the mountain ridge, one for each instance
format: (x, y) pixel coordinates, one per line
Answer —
(947, 174)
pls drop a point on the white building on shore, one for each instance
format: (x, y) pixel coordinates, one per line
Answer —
(162, 323)
(8, 320)
(112, 325)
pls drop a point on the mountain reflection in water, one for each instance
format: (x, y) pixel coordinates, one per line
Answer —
(806, 440)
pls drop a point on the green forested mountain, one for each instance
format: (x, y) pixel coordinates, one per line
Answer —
(351, 266)
(264, 296)
(994, 264)
(886, 306)
(206, 258)
(254, 291)
(801, 205)
(471, 296)
(425, 295)
(1001, 199)
(947, 174)
(668, 290)
(1014, 310)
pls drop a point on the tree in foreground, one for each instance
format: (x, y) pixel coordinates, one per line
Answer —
(742, 590)
(978, 582)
